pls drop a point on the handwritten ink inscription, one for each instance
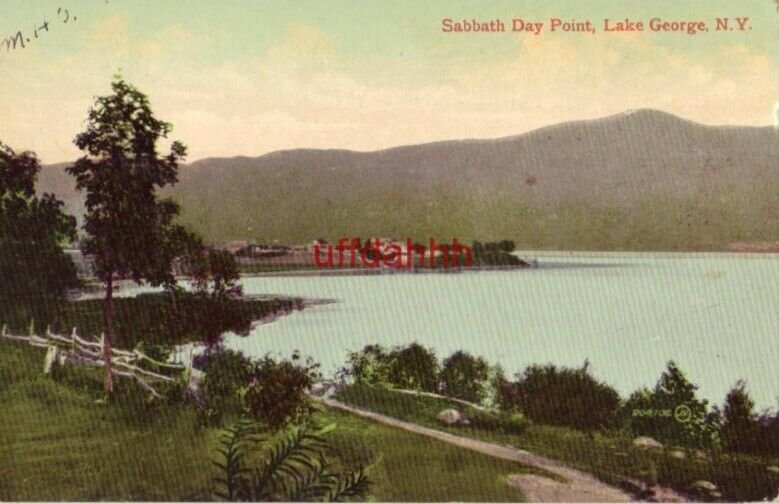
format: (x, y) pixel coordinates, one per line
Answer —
(21, 39)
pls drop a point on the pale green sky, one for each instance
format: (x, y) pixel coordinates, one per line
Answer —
(248, 77)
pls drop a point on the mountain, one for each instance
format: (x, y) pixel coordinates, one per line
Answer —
(641, 180)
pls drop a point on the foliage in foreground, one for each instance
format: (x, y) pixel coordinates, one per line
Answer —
(269, 390)
(294, 467)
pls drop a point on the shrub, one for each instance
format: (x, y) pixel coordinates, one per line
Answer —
(745, 431)
(413, 367)
(464, 377)
(740, 430)
(505, 422)
(276, 392)
(569, 397)
(227, 373)
(495, 383)
(367, 367)
(768, 428)
(294, 468)
(740, 479)
(672, 413)
(507, 394)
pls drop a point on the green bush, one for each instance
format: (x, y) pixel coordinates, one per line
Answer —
(367, 367)
(227, 373)
(464, 377)
(505, 422)
(277, 390)
(672, 413)
(568, 397)
(413, 367)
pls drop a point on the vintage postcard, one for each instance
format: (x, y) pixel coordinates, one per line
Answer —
(410, 251)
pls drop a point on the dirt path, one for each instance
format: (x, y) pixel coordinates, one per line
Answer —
(578, 486)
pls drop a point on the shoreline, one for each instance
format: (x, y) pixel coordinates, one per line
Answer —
(300, 304)
(383, 271)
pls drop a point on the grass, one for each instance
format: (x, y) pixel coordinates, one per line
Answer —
(411, 467)
(609, 456)
(58, 441)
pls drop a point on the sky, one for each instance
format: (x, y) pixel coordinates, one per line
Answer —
(253, 76)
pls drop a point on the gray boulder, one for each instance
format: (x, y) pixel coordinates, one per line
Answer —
(450, 417)
(647, 442)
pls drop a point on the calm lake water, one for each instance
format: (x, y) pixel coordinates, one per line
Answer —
(716, 315)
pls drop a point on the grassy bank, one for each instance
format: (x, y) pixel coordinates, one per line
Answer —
(155, 319)
(58, 441)
(610, 456)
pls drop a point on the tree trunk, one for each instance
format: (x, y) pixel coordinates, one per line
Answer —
(108, 311)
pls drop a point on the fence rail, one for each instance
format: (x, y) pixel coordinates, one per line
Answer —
(74, 349)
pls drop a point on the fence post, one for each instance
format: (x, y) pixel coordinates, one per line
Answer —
(31, 330)
(73, 339)
(5, 330)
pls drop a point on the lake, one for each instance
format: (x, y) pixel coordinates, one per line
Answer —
(716, 315)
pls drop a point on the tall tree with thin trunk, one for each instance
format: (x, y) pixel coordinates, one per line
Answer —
(130, 230)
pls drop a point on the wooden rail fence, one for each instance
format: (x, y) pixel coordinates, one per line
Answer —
(131, 364)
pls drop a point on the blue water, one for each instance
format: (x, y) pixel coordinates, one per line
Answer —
(716, 315)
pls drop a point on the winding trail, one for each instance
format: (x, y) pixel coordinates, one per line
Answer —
(577, 486)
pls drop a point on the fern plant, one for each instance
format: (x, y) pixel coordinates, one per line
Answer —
(292, 468)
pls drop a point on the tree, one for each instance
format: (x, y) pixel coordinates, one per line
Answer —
(465, 377)
(413, 367)
(740, 430)
(34, 269)
(130, 230)
(215, 268)
(676, 414)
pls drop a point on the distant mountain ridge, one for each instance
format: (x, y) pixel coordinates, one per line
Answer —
(640, 180)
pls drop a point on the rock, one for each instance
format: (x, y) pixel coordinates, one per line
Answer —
(773, 469)
(450, 417)
(701, 455)
(318, 389)
(715, 495)
(678, 454)
(647, 442)
(703, 485)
